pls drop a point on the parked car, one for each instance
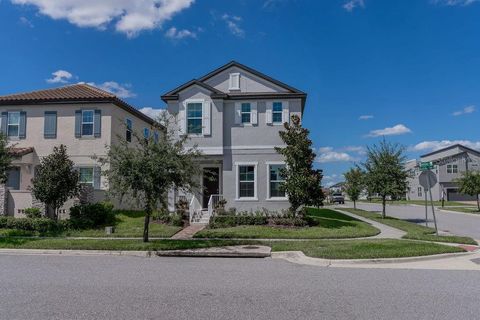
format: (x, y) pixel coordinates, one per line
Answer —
(337, 198)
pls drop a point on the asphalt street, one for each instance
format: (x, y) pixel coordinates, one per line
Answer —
(109, 287)
(456, 223)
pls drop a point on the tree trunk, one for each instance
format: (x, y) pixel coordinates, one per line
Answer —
(384, 200)
(478, 202)
(355, 204)
(146, 224)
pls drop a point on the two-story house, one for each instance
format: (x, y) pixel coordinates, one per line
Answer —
(82, 117)
(449, 164)
(234, 115)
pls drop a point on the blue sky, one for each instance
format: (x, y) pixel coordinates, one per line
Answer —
(405, 69)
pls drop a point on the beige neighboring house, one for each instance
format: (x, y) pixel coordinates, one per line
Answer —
(82, 117)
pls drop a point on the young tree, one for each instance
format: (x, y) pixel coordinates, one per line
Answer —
(152, 166)
(5, 158)
(385, 171)
(56, 179)
(470, 184)
(354, 184)
(302, 182)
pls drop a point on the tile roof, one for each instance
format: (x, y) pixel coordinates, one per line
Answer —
(18, 152)
(80, 92)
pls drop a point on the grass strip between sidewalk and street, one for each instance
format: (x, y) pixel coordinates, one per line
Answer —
(472, 210)
(413, 230)
(328, 249)
(331, 225)
(416, 202)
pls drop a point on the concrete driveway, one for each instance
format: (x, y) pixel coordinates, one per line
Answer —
(456, 223)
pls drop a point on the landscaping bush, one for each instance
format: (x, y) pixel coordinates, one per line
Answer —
(41, 225)
(175, 219)
(289, 222)
(231, 219)
(94, 215)
(33, 213)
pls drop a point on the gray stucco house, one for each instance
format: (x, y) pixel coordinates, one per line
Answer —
(234, 115)
(449, 165)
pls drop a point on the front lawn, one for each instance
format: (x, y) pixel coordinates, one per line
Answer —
(331, 225)
(362, 249)
(413, 230)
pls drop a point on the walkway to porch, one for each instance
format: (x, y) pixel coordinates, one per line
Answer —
(189, 231)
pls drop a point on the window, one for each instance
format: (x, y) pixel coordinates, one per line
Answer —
(13, 124)
(277, 112)
(13, 178)
(234, 81)
(452, 168)
(87, 122)
(246, 181)
(146, 133)
(128, 130)
(275, 181)
(194, 118)
(86, 176)
(419, 192)
(246, 112)
(50, 125)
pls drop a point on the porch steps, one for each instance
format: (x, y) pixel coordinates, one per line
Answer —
(201, 217)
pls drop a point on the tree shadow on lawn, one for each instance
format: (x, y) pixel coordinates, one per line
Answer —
(331, 219)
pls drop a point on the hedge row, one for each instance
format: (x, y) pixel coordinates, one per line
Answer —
(42, 225)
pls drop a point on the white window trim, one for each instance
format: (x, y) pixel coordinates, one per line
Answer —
(231, 85)
(18, 124)
(241, 113)
(93, 174)
(186, 102)
(451, 167)
(281, 113)
(237, 181)
(93, 124)
(269, 163)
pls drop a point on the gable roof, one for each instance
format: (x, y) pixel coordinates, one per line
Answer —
(76, 93)
(467, 149)
(291, 91)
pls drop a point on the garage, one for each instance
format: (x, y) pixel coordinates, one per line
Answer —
(454, 195)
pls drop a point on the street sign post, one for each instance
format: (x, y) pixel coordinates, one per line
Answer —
(428, 180)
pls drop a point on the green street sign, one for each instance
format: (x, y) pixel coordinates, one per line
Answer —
(424, 166)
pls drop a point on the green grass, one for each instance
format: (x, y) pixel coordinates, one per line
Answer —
(413, 230)
(332, 225)
(472, 210)
(418, 202)
(114, 244)
(363, 249)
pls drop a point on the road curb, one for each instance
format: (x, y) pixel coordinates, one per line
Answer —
(301, 258)
(75, 252)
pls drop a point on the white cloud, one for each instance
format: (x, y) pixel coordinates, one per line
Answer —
(440, 144)
(466, 110)
(121, 91)
(175, 34)
(328, 154)
(233, 24)
(151, 112)
(60, 76)
(24, 21)
(452, 3)
(357, 149)
(390, 131)
(353, 4)
(128, 16)
(365, 117)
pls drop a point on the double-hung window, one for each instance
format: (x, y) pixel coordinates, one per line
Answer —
(246, 112)
(277, 113)
(246, 181)
(128, 130)
(276, 179)
(419, 192)
(452, 168)
(87, 122)
(86, 176)
(13, 124)
(146, 133)
(194, 118)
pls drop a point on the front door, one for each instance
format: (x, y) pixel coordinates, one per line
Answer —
(211, 178)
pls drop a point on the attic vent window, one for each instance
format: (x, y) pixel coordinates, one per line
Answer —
(234, 83)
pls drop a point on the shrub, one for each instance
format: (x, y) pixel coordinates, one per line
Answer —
(93, 215)
(231, 219)
(33, 213)
(290, 222)
(41, 225)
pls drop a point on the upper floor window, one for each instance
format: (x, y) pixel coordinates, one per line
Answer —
(146, 133)
(87, 122)
(128, 130)
(50, 125)
(246, 112)
(234, 81)
(13, 124)
(276, 179)
(277, 112)
(194, 118)
(452, 168)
